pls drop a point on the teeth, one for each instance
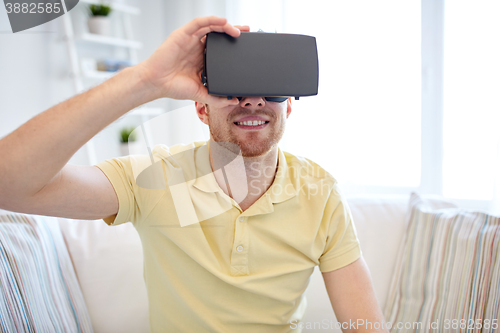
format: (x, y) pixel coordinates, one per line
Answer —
(251, 123)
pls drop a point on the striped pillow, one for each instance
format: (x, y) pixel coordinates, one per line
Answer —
(39, 291)
(448, 273)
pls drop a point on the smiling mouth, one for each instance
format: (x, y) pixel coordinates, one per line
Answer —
(251, 123)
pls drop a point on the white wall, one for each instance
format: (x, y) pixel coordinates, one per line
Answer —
(32, 65)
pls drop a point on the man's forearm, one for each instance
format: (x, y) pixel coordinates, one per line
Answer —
(353, 298)
(35, 152)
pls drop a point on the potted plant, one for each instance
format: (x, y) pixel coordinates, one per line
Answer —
(127, 139)
(99, 22)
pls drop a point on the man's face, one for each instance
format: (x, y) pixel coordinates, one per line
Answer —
(235, 124)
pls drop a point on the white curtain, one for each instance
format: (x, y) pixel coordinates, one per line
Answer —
(471, 162)
(495, 202)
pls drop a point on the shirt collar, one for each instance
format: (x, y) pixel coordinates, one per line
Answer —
(281, 190)
(205, 179)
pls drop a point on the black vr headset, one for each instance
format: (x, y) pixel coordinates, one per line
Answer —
(271, 65)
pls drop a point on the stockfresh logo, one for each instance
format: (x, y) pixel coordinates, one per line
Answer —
(25, 14)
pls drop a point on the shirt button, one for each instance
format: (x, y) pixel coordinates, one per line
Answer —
(242, 219)
(239, 248)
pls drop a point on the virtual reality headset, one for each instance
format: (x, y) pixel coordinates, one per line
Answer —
(271, 65)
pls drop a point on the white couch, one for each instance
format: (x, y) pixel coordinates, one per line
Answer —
(108, 264)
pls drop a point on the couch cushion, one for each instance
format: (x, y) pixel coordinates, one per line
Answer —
(39, 291)
(448, 269)
(380, 222)
(109, 265)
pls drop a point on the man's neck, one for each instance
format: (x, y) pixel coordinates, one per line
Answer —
(248, 177)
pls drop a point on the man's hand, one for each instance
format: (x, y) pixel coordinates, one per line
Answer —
(174, 69)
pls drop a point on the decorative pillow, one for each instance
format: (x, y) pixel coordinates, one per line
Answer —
(448, 273)
(39, 291)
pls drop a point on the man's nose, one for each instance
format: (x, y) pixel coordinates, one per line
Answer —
(250, 102)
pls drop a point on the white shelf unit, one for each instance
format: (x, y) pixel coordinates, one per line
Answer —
(98, 75)
(147, 112)
(81, 78)
(100, 39)
(119, 7)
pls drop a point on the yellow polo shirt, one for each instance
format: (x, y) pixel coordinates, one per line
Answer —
(232, 271)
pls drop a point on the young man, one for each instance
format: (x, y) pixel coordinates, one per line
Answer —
(231, 247)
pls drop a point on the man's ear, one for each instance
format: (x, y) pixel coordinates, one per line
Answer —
(202, 112)
(288, 107)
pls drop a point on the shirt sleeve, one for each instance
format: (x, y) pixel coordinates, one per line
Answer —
(139, 183)
(118, 172)
(342, 244)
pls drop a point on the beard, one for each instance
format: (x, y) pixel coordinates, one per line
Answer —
(251, 143)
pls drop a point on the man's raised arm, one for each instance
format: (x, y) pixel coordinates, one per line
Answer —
(34, 177)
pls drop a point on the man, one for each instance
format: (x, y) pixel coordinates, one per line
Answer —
(240, 269)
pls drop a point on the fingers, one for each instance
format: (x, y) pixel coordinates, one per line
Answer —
(200, 26)
(201, 22)
(243, 27)
(203, 31)
(227, 28)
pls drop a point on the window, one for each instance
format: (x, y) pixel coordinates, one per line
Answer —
(408, 96)
(471, 98)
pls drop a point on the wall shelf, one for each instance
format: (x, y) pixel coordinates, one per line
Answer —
(146, 111)
(108, 40)
(102, 75)
(119, 7)
(85, 75)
